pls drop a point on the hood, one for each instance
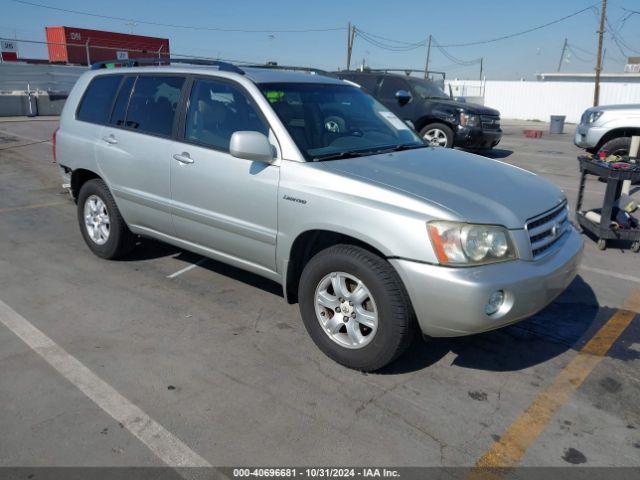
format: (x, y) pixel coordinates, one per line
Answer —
(477, 189)
(612, 108)
(473, 108)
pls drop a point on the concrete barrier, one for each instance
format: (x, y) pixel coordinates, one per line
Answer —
(51, 103)
(15, 104)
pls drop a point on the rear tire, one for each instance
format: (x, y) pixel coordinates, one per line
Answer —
(394, 327)
(103, 228)
(437, 135)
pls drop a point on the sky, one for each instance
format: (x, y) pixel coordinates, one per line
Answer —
(407, 21)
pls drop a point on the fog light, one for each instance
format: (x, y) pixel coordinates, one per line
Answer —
(495, 302)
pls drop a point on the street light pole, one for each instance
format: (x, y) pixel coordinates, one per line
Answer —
(603, 16)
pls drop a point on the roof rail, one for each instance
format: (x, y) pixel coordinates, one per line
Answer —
(135, 62)
(275, 66)
(406, 71)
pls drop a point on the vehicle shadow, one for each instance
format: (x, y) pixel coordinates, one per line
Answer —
(567, 323)
(149, 249)
(495, 153)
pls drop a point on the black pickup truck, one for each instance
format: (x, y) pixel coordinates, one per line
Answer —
(440, 120)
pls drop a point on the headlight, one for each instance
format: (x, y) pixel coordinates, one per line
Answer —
(466, 244)
(594, 115)
(469, 120)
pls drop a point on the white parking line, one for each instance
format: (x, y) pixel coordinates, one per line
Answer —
(166, 446)
(187, 268)
(609, 273)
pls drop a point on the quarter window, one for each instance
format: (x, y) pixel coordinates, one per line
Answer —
(98, 98)
(153, 104)
(217, 110)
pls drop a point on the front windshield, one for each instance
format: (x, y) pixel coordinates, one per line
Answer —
(427, 89)
(327, 120)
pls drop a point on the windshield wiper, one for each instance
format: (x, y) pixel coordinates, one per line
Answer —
(406, 146)
(373, 151)
(341, 155)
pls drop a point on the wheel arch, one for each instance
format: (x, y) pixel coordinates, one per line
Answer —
(617, 133)
(427, 119)
(79, 177)
(305, 246)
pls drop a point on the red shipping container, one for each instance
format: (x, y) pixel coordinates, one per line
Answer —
(98, 45)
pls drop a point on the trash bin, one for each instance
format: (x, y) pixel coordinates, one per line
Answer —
(557, 124)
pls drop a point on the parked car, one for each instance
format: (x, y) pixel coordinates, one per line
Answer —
(310, 182)
(440, 120)
(608, 128)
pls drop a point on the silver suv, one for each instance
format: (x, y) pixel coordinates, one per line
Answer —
(308, 181)
(608, 128)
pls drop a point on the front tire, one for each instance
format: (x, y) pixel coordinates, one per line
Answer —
(437, 135)
(103, 228)
(617, 146)
(355, 307)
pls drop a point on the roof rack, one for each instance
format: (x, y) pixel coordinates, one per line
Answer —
(136, 62)
(406, 71)
(275, 66)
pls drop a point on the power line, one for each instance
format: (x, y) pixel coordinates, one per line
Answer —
(173, 25)
(523, 32)
(455, 60)
(371, 39)
(173, 54)
(619, 41)
(576, 56)
(421, 43)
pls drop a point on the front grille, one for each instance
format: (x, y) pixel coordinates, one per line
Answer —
(490, 122)
(547, 229)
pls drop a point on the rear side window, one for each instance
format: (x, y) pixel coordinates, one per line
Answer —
(98, 98)
(367, 82)
(153, 104)
(120, 107)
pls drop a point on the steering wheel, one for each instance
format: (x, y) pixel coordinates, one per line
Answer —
(335, 124)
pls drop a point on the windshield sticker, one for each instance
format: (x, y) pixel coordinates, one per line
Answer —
(394, 121)
(274, 95)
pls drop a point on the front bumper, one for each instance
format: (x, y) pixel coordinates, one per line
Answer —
(588, 136)
(476, 137)
(450, 302)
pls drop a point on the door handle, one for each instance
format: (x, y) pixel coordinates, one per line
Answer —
(183, 158)
(111, 140)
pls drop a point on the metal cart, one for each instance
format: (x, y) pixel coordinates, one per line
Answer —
(614, 178)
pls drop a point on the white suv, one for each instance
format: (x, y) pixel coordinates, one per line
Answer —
(608, 128)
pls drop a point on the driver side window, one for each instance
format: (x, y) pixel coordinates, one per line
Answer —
(390, 85)
(218, 109)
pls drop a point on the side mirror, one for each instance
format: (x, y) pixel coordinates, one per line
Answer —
(251, 146)
(403, 97)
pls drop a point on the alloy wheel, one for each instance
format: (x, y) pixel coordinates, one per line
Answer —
(96, 220)
(346, 310)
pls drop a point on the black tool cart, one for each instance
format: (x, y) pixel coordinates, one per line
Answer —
(613, 177)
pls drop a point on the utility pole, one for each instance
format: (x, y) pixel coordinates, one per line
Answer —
(603, 16)
(564, 49)
(351, 33)
(426, 65)
(481, 66)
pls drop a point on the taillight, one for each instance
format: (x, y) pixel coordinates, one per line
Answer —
(53, 142)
